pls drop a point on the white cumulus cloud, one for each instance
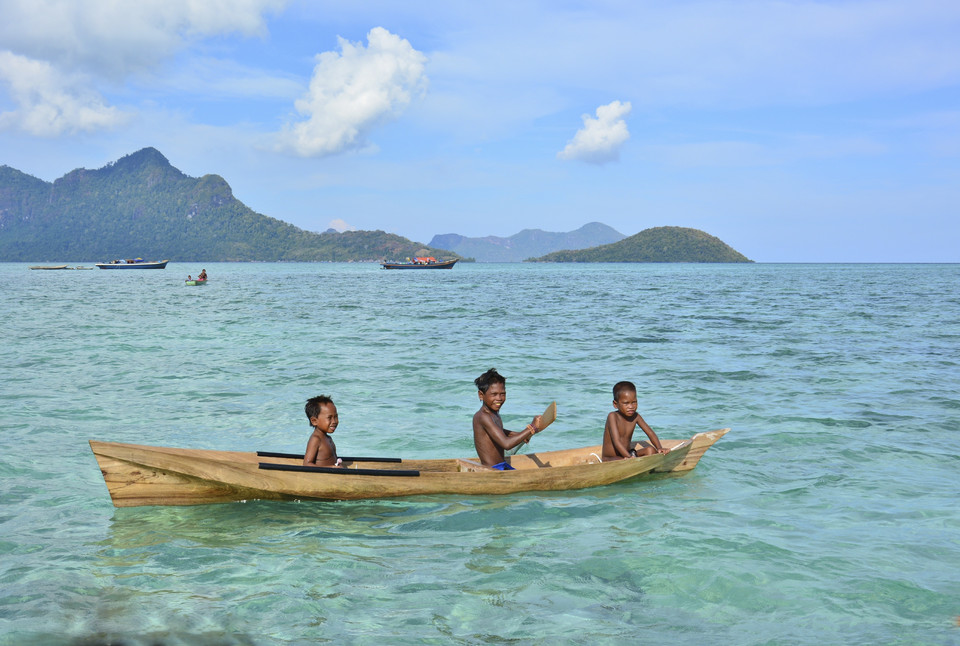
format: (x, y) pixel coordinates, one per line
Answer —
(353, 91)
(600, 138)
(49, 102)
(58, 57)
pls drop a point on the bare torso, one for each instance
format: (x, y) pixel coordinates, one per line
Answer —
(321, 451)
(491, 439)
(486, 425)
(618, 436)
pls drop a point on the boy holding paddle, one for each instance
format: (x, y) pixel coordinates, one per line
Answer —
(618, 431)
(321, 451)
(489, 436)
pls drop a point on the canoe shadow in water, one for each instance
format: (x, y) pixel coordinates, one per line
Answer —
(232, 525)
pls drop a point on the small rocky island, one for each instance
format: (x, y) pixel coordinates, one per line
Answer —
(659, 244)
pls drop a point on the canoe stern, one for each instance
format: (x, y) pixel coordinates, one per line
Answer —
(131, 483)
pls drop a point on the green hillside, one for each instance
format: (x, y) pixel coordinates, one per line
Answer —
(527, 243)
(660, 244)
(142, 206)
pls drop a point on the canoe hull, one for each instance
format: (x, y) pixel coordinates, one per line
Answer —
(138, 475)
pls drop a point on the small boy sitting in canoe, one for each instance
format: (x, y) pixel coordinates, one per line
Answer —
(489, 436)
(321, 451)
(618, 431)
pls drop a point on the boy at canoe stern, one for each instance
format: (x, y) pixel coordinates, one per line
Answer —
(618, 431)
(321, 451)
(489, 436)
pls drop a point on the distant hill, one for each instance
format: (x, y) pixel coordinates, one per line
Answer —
(142, 206)
(527, 243)
(660, 244)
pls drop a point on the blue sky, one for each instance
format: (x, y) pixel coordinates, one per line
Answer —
(795, 130)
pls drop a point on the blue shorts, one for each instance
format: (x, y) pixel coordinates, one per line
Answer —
(503, 466)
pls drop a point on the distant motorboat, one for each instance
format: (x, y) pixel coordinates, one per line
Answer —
(49, 267)
(137, 263)
(427, 262)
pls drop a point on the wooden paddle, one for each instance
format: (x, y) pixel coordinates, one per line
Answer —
(546, 420)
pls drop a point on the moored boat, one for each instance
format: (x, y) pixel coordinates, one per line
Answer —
(137, 263)
(49, 267)
(427, 262)
(148, 475)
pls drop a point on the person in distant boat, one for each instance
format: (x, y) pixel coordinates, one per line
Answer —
(189, 277)
(618, 431)
(321, 451)
(489, 436)
(203, 275)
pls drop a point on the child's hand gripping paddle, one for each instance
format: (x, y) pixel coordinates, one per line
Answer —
(546, 420)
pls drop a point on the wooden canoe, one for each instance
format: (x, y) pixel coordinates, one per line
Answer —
(147, 475)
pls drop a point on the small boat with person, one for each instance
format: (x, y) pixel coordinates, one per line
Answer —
(138, 475)
(421, 262)
(201, 279)
(135, 263)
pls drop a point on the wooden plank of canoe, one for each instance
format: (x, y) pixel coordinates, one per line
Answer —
(686, 458)
(691, 455)
(138, 475)
(131, 485)
(347, 486)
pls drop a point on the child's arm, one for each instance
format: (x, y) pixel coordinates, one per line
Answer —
(310, 455)
(533, 427)
(650, 434)
(503, 438)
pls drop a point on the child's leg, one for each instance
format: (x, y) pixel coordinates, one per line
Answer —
(644, 448)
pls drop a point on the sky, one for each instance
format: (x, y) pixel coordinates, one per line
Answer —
(793, 130)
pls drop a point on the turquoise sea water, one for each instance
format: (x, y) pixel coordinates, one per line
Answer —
(828, 515)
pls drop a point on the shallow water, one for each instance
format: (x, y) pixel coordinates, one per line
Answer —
(827, 515)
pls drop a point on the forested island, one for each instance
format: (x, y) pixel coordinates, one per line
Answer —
(527, 243)
(142, 206)
(659, 244)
